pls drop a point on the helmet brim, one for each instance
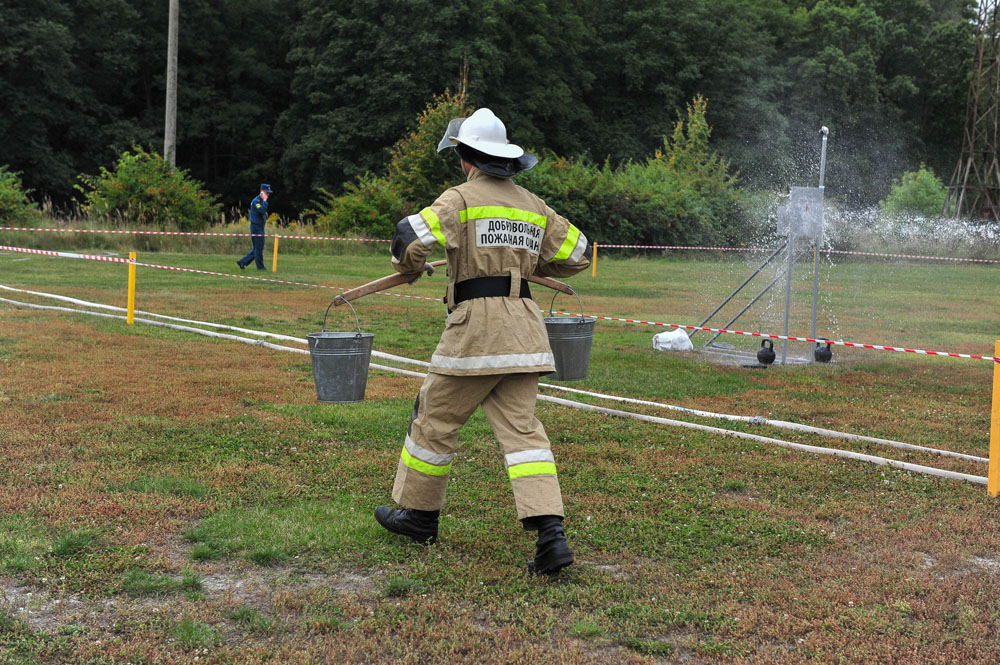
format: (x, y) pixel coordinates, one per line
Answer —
(504, 150)
(502, 167)
(448, 140)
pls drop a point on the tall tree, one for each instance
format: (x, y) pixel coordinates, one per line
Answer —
(529, 63)
(42, 93)
(362, 72)
(859, 67)
(233, 83)
(311, 93)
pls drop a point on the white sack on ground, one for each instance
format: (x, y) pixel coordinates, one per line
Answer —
(672, 340)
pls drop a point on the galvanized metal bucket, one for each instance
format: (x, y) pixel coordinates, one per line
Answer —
(340, 361)
(570, 338)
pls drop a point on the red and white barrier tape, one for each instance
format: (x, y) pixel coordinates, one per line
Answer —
(275, 281)
(908, 256)
(879, 347)
(68, 255)
(115, 259)
(598, 245)
(790, 338)
(601, 245)
(187, 233)
(822, 251)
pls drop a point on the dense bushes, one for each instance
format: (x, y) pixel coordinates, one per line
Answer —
(144, 189)
(684, 194)
(15, 208)
(369, 206)
(916, 193)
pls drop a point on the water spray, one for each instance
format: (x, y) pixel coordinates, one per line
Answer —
(800, 219)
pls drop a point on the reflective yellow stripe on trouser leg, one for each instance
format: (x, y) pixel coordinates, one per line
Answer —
(420, 483)
(445, 403)
(510, 408)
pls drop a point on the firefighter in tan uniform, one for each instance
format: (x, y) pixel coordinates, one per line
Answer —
(494, 346)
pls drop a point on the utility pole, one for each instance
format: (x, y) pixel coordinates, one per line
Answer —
(170, 122)
(975, 186)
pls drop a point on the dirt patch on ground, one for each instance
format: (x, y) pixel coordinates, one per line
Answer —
(222, 583)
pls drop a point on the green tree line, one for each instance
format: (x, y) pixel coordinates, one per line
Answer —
(308, 95)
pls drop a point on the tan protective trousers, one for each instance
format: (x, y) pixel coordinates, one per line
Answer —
(444, 404)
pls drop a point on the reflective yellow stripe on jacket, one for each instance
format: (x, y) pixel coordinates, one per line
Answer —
(501, 212)
(571, 243)
(427, 226)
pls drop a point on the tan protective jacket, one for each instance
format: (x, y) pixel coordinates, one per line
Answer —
(491, 227)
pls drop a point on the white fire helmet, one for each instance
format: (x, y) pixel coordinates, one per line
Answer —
(483, 131)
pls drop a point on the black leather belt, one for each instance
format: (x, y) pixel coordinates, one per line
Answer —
(487, 287)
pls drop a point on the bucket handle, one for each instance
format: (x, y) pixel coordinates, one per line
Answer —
(551, 304)
(356, 322)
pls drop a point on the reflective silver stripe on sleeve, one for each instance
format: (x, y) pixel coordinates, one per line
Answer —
(493, 362)
(581, 247)
(423, 231)
(425, 455)
(537, 455)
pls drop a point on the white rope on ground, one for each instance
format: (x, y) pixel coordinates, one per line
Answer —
(98, 305)
(783, 424)
(753, 420)
(916, 468)
(220, 326)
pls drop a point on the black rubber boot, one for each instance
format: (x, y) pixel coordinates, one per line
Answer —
(420, 525)
(552, 552)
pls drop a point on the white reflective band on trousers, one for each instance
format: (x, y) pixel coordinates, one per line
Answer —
(493, 362)
(526, 456)
(917, 468)
(425, 455)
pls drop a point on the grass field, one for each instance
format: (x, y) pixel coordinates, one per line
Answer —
(166, 497)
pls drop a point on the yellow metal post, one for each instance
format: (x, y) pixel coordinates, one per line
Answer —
(274, 264)
(993, 482)
(593, 262)
(131, 288)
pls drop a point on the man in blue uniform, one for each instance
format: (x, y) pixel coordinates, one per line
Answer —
(258, 217)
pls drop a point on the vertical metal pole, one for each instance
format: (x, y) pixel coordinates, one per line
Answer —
(274, 264)
(822, 156)
(788, 292)
(993, 479)
(812, 345)
(822, 172)
(170, 121)
(593, 262)
(130, 319)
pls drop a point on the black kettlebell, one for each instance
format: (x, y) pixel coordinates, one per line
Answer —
(823, 354)
(765, 354)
